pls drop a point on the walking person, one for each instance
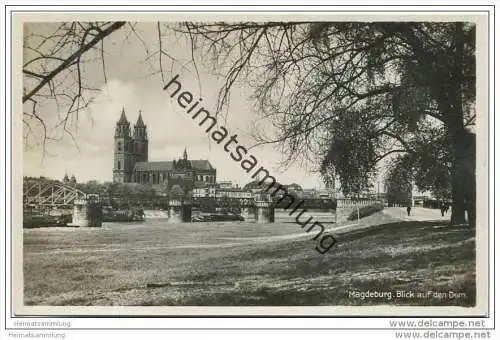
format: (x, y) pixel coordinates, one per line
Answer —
(443, 209)
(408, 209)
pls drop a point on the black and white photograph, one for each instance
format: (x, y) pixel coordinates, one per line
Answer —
(194, 163)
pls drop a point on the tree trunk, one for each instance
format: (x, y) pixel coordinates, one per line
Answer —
(464, 179)
(470, 179)
(458, 181)
(457, 132)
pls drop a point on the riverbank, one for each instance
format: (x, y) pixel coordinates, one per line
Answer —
(239, 264)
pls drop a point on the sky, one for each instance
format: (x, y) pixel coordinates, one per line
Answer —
(134, 84)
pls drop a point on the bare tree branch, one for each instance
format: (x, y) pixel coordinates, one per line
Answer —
(73, 57)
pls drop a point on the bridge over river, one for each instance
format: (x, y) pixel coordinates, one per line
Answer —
(42, 196)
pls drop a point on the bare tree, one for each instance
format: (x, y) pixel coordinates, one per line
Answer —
(350, 94)
(54, 67)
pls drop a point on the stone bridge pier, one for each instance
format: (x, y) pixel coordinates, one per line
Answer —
(87, 212)
(179, 211)
(248, 213)
(264, 212)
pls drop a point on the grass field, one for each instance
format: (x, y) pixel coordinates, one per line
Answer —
(241, 264)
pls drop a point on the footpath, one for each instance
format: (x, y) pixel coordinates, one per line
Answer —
(417, 214)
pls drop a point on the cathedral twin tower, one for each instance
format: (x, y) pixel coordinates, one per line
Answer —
(131, 163)
(129, 148)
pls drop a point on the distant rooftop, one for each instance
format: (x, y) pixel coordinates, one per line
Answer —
(198, 164)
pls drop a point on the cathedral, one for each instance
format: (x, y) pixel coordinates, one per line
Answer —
(131, 163)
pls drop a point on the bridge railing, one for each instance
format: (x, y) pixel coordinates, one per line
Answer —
(50, 193)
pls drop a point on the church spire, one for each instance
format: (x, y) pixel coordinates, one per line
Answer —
(122, 126)
(140, 123)
(185, 155)
(123, 118)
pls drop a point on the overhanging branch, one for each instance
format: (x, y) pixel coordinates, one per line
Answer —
(66, 63)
